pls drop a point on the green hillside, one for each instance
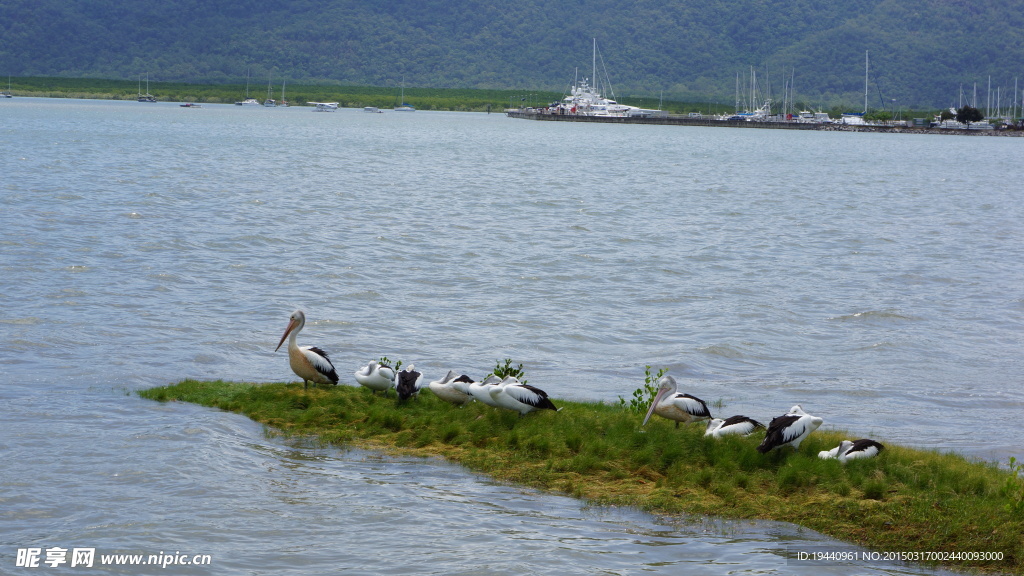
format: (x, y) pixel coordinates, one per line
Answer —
(922, 51)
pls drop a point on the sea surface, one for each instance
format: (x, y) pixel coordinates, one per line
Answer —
(875, 279)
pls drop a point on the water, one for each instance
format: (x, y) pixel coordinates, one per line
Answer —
(875, 279)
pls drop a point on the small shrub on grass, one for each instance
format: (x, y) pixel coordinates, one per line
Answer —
(505, 370)
(643, 396)
(1013, 489)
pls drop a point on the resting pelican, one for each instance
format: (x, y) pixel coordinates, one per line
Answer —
(452, 388)
(853, 450)
(732, 425)
(308, 362)
(481, 391)
(522, 398)
(679, 407)
(407, 382)
(376, 377)
(790, 428)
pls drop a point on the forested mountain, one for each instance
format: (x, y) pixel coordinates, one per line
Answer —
(921, 51)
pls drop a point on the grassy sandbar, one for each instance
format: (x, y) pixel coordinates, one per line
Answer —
(905, 500)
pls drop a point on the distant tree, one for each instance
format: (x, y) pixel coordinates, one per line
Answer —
(947, 114)
(969, 114)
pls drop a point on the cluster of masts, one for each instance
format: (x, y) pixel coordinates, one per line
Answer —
(790, 429)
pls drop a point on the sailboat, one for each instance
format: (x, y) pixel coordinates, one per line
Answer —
(404, 106)
(248, 101)
(7, 94)
(269, 102)
(283, 102)
(147, 97)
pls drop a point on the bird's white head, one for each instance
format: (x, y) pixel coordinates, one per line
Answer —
(713, 425)
(295, 324)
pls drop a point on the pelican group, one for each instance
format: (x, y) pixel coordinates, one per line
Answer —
(312, 364)
(308, 362)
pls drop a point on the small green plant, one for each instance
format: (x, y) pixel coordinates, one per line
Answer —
(506, 370)
(385, 361)
(1014, 487)
(643, 396)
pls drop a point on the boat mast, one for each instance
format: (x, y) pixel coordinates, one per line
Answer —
(593, 68)
(737, 111)
(865, 82)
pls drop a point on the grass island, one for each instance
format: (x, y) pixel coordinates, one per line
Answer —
(904, 500)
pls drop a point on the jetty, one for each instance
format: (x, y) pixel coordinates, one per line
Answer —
(556, 115)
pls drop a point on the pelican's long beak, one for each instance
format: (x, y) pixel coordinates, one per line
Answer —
(287, 331)
(657, 398)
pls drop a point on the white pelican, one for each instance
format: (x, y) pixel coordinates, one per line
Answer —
(452, 388)
(679, 407)
(481, 391)
(830, 454)
(407, 382)
(790, 428)
(859, 449)
(522, 398)
(853, 450)
(732, 425)
(376, 377)
(308, 362)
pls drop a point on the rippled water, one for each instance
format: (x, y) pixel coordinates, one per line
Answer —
(875, 279)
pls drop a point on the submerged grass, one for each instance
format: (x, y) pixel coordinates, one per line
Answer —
(905, 500)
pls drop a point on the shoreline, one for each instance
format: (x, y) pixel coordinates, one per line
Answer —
(904, 500)
(823, 127)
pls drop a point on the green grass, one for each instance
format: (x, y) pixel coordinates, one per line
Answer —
(903, 500)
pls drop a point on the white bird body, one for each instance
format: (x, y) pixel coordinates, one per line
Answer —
(376, 377)
(308, 362)
(522, 398)
(407, 382)
(453, 389)
(830, 454)
(859, 449)
(668, 403)
(852, 450)
(481, 391)
(739, 424)
(789, 429)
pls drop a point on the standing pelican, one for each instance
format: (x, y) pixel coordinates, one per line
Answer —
(452, 388)
(520, 397)
(679, 407)
(376, 377)
(308, 362)
(407, 382)
(732, 425)
(481, 391)
(790, 428)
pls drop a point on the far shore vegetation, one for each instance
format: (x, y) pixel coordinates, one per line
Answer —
(447, 99)
(904, 500)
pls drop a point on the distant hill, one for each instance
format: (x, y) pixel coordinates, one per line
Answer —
(921, 51)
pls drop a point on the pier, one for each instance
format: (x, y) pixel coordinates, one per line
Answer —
(899, 128)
